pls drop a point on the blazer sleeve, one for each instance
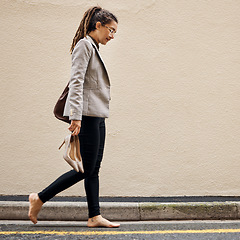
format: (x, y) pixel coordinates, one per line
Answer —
(80, 59)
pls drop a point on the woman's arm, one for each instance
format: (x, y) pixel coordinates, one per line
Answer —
(80, 59)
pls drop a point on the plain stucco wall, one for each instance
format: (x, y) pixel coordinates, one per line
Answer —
(175, 117)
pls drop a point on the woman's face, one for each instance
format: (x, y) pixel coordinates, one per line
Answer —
(106, 32)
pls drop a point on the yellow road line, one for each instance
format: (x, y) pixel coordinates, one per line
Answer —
(122, 232)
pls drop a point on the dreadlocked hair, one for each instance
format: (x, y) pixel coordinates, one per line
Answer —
(89, 20)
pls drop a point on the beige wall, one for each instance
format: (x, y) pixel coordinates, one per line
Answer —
(175, 117)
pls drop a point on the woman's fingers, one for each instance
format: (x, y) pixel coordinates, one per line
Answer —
(76, 131)
(75, 127)
(71, 127)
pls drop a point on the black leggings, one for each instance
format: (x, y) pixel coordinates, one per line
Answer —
(92, 139)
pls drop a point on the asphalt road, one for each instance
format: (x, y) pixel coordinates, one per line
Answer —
(160, 230)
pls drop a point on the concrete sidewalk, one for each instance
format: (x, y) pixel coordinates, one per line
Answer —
(195, 208)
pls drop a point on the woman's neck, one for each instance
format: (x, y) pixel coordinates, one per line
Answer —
(94, 36)
(94, 39)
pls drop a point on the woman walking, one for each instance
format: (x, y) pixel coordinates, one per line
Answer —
(87, 106)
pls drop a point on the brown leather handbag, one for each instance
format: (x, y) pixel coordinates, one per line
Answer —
(59, 107)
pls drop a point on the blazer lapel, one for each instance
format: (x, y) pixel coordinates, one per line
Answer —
(94, 45)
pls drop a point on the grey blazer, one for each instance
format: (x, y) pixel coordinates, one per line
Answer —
(89, 86)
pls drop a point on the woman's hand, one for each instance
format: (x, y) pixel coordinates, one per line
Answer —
(75, 127)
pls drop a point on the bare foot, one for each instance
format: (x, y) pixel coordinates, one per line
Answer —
(35, 207)
(99, 221)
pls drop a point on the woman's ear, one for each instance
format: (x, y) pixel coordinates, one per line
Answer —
(98, 25)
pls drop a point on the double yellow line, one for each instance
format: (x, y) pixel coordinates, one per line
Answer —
(120, 232)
